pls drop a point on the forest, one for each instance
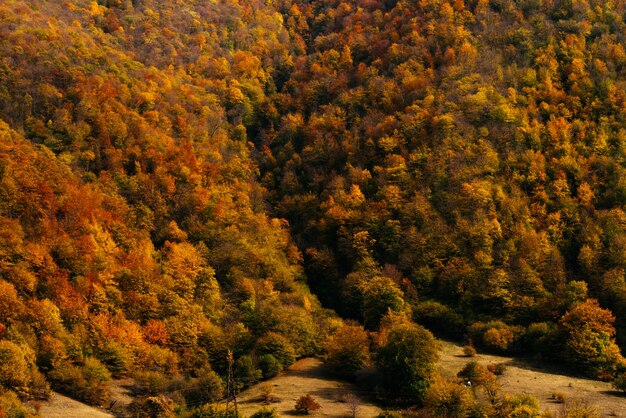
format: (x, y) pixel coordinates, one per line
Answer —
(181, 180)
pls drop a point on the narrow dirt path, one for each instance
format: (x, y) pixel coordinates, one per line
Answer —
(307, 376)
(523, 377)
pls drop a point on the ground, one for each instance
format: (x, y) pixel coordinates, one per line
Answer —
(59, 406)
(307, 376)
(524, 377)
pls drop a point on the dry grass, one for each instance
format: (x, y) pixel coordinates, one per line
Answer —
(59, 406)
(522, 377)
(308, 376)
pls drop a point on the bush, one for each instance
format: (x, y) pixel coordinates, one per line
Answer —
(87, 383)
(150, 382)
(307, 404)
(497, 369)
(246, 372)
(348, 350)
(447, 399)
(469, 351)
(269, 366)
(207, 388)
(406, 361)
(16, 365)
(117, 358)
(619, 382)
(520, 406)
(559, 397)
(11, 406)
(439, 318)
(495, 335)
(214, 411)
(152, 406)
(278, 346)
(473, 372)
(389, 414)
(265, 413)
(580, 409)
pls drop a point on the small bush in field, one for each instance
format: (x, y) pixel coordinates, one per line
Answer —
(469, 351)
(619, 382)
(497, 369)
(307, 404)
(265, 413)
(559, 397)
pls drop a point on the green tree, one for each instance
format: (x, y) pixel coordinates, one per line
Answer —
(406, 361)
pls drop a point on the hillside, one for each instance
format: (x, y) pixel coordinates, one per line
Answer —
(184, 182)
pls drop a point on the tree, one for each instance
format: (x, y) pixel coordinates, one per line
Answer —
(348, 350)
(447, 399)
(589, 339)
(619, 382)
(307, 404)
(406, 361)
(380, 294)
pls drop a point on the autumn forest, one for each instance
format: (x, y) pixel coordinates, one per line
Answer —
(188, 181)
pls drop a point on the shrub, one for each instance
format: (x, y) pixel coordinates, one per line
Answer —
(519, 406)
(619, 382)
(246, 371)
(207, 388)
(406, 361)
(278, 346)
(580, 409)
(267, 392)
(269, 366)
(348, 350)
(447, 399)
(150, 382)
(16, 365)
(469, 351)
(559, 397)
(389, 414)
(473, 372)
(11, 406)
(214, 411)
(265, 413)
(307, 404)
(117, 358)
(495, 335)
(497, 369)
(152, 406)
(87, 383)
(439, 318)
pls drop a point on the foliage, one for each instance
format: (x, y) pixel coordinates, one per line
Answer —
(306, 404)
(447, 399)
(88, 382)
(208, 387)
(405, 361)
(277, 346)
(589, 339)
(269, 366)
(172, 172)
(619, 382)
(348, 350)
(469, 351)
(152, 406)
(265, 413)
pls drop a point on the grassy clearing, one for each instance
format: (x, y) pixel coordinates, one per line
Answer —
(523, 377)
(308, 376)
(59, 406)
